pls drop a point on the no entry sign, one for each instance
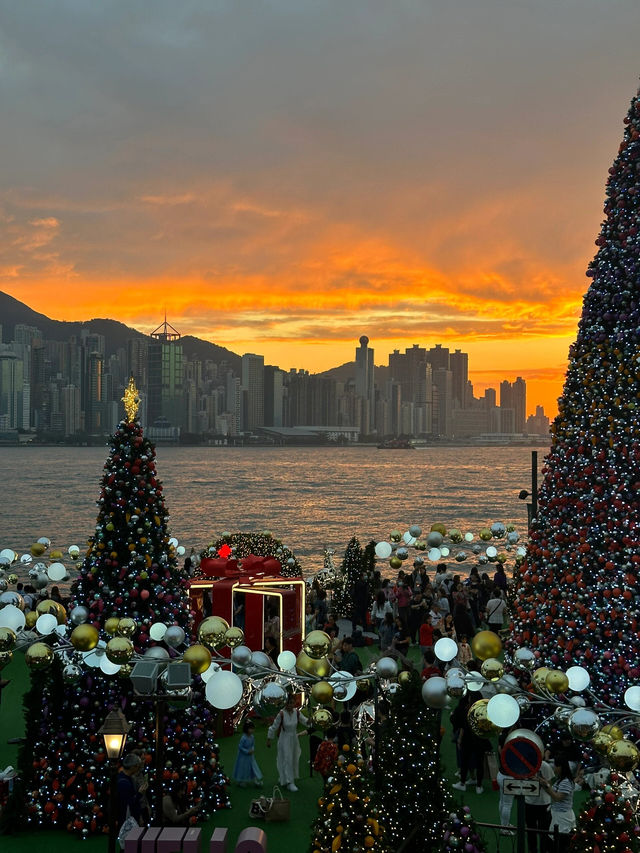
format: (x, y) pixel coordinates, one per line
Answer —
(521, 756)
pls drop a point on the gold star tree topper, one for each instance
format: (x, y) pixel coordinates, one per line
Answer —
(131, 400)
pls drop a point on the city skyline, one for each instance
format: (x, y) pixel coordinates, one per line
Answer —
(68, 380)
(283, 178)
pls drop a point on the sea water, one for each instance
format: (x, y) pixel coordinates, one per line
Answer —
(310, 498)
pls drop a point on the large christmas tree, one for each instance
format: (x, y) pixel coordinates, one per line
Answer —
(128, 582)
(608, 822)
(577, 597)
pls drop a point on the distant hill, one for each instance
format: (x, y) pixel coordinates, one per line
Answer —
(116, 334)
(346, 371)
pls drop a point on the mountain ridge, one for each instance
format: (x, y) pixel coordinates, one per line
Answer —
(13, 312)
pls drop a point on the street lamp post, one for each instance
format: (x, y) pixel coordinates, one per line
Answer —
(114, 731)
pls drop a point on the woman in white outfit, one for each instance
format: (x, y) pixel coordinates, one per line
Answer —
(561, 793)
(285, 728)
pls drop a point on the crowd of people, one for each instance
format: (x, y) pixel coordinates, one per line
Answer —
(417, 609)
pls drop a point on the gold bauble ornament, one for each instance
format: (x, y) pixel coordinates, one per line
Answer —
(119, 650)
(198, 657)
(84, 637)
(395, 536)
(317, 644)
(30, 619)
(212, 632)
(485, 534)
(234, 637)
(601, 742)
(404, 677)
(479, 722)
(492, 669)
(111, 625)
(556, 681)
(47, 606)
(439, 527)
(126, 627)
(486, 644)
(623, 755)
(308, 666)
(37, 549)
(614, 732)
(539, 677)
(7, 639)
(395, 563)
(11, 579)
(5, 659)
(39, 656)
(322, 692)
(322, 718)
(56, 555)
(125, 670)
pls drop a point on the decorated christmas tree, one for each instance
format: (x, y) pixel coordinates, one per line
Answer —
(129, 587)
(350, 570)
(348, 817)
(608, 822)
(577, 598)
(237, 546)
(459, 833)
(412, 794)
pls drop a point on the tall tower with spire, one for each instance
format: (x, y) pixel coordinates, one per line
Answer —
(166, 376)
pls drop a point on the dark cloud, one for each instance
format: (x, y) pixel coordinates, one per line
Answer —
(396, 149)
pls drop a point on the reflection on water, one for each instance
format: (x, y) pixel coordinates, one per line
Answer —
(309, 497)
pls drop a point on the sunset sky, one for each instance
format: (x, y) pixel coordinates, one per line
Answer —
(284, 176)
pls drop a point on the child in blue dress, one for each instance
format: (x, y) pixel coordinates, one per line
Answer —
(246, 767)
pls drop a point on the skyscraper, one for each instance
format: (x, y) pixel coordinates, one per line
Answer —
(252, 391)
(95, 394)
(365, 385)
(165, 376)
(459, 363)
(10, 389)
(513, 395)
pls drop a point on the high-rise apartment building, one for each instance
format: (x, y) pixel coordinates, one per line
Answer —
(439, 358)
(443, 402)
(513, 395)
(459, 364)
(414, 373)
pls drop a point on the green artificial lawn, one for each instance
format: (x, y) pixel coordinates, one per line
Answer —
(293, 836)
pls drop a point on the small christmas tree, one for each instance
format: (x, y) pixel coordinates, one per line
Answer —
(239, 545)
(577, 595)
(350, 571)
(608, 822)
(459, 833)
(348, 818)
(128, 581)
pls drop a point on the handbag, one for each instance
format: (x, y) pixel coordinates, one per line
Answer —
(127, 825)
(259, 807)
(279, 810)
